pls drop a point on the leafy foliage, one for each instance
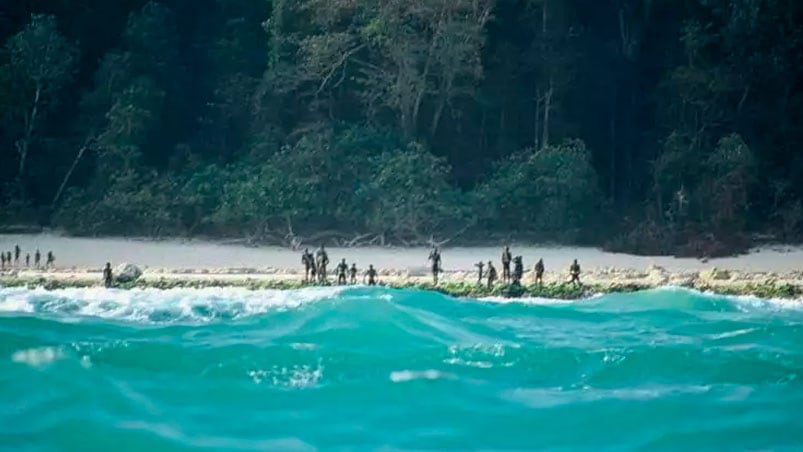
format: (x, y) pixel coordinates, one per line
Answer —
(678, 123)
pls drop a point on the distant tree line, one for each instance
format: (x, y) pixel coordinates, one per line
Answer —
(651, 126)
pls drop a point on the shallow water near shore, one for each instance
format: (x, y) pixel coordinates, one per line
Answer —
(367, 368)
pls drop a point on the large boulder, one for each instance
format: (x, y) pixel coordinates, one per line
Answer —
(127, 273)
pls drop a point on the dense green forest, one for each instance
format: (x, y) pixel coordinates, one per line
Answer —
(650, 126)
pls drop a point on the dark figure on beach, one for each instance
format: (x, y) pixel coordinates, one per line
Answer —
(309, 264)
(51, 259)
(435, 258)
(518, 269)
(342, 269)
(107, 275)
(574, 271)
(370, 274)
(37, 258)
(28, 260)
(322, 260)
(16, 254)
(8, 259)
(3, 261)
(353, 274)
(492, 275)
(539, 272)
(480, 265)
(506, 257)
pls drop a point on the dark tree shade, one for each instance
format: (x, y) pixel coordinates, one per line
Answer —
(647, 125)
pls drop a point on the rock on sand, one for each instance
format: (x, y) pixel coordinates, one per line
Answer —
(127, 272)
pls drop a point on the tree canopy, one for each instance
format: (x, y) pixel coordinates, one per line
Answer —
(644, 125)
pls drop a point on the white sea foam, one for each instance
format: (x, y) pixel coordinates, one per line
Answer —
(37, 357)
(402, 376)
(154, 305)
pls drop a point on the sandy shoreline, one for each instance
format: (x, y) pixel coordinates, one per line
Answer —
(81, 259)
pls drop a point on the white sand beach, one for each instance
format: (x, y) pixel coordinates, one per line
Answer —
(72, 252)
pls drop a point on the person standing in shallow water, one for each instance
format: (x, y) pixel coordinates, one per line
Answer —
(342, 269)
(492, 275)
(506, 258)
(353, 274)
(539, 272)
(27, 260)
(370, 275)
(435, 259)
(107, 275)
(480, 265)
(322, 260)
(2, 261)
(16, 254)
(37, 259)
(574, 271)
(51, 259)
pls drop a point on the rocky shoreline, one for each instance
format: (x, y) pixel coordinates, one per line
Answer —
(787, 285)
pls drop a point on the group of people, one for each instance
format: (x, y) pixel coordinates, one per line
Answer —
(515, 277)
(487, 272)
(7, 260)
(315, 269)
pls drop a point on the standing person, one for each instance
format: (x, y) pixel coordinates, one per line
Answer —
(307, 264)
(539, 272)
(2, 261)
(435, 258)
(37, 259)
(107, 275)
(480, 265)
(506, 257)
(16, 254)
(8, 259)
(323, 260)
(51, 259)
(492, 275)
(370, 274)
(342, 269)
(518, 269)
(27, 260)
(574, 271)
(353, 274)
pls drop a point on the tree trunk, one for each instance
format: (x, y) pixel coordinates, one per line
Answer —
(547, 108)
(67, 176)
(537, 120)
(24, 145)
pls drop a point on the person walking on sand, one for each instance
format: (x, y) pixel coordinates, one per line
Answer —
(27, 260)
(342, 269)
(370, 274)
(322, 260)
(506, 258)
(51, 259)
(435, 259)
(16, 254)
(539, 272)
(492, 275)
(480, 265)
(574, 271)
(353, 274)
(108, 278)
(37, 259)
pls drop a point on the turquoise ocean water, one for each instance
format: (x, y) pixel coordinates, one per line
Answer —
(366, 369)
